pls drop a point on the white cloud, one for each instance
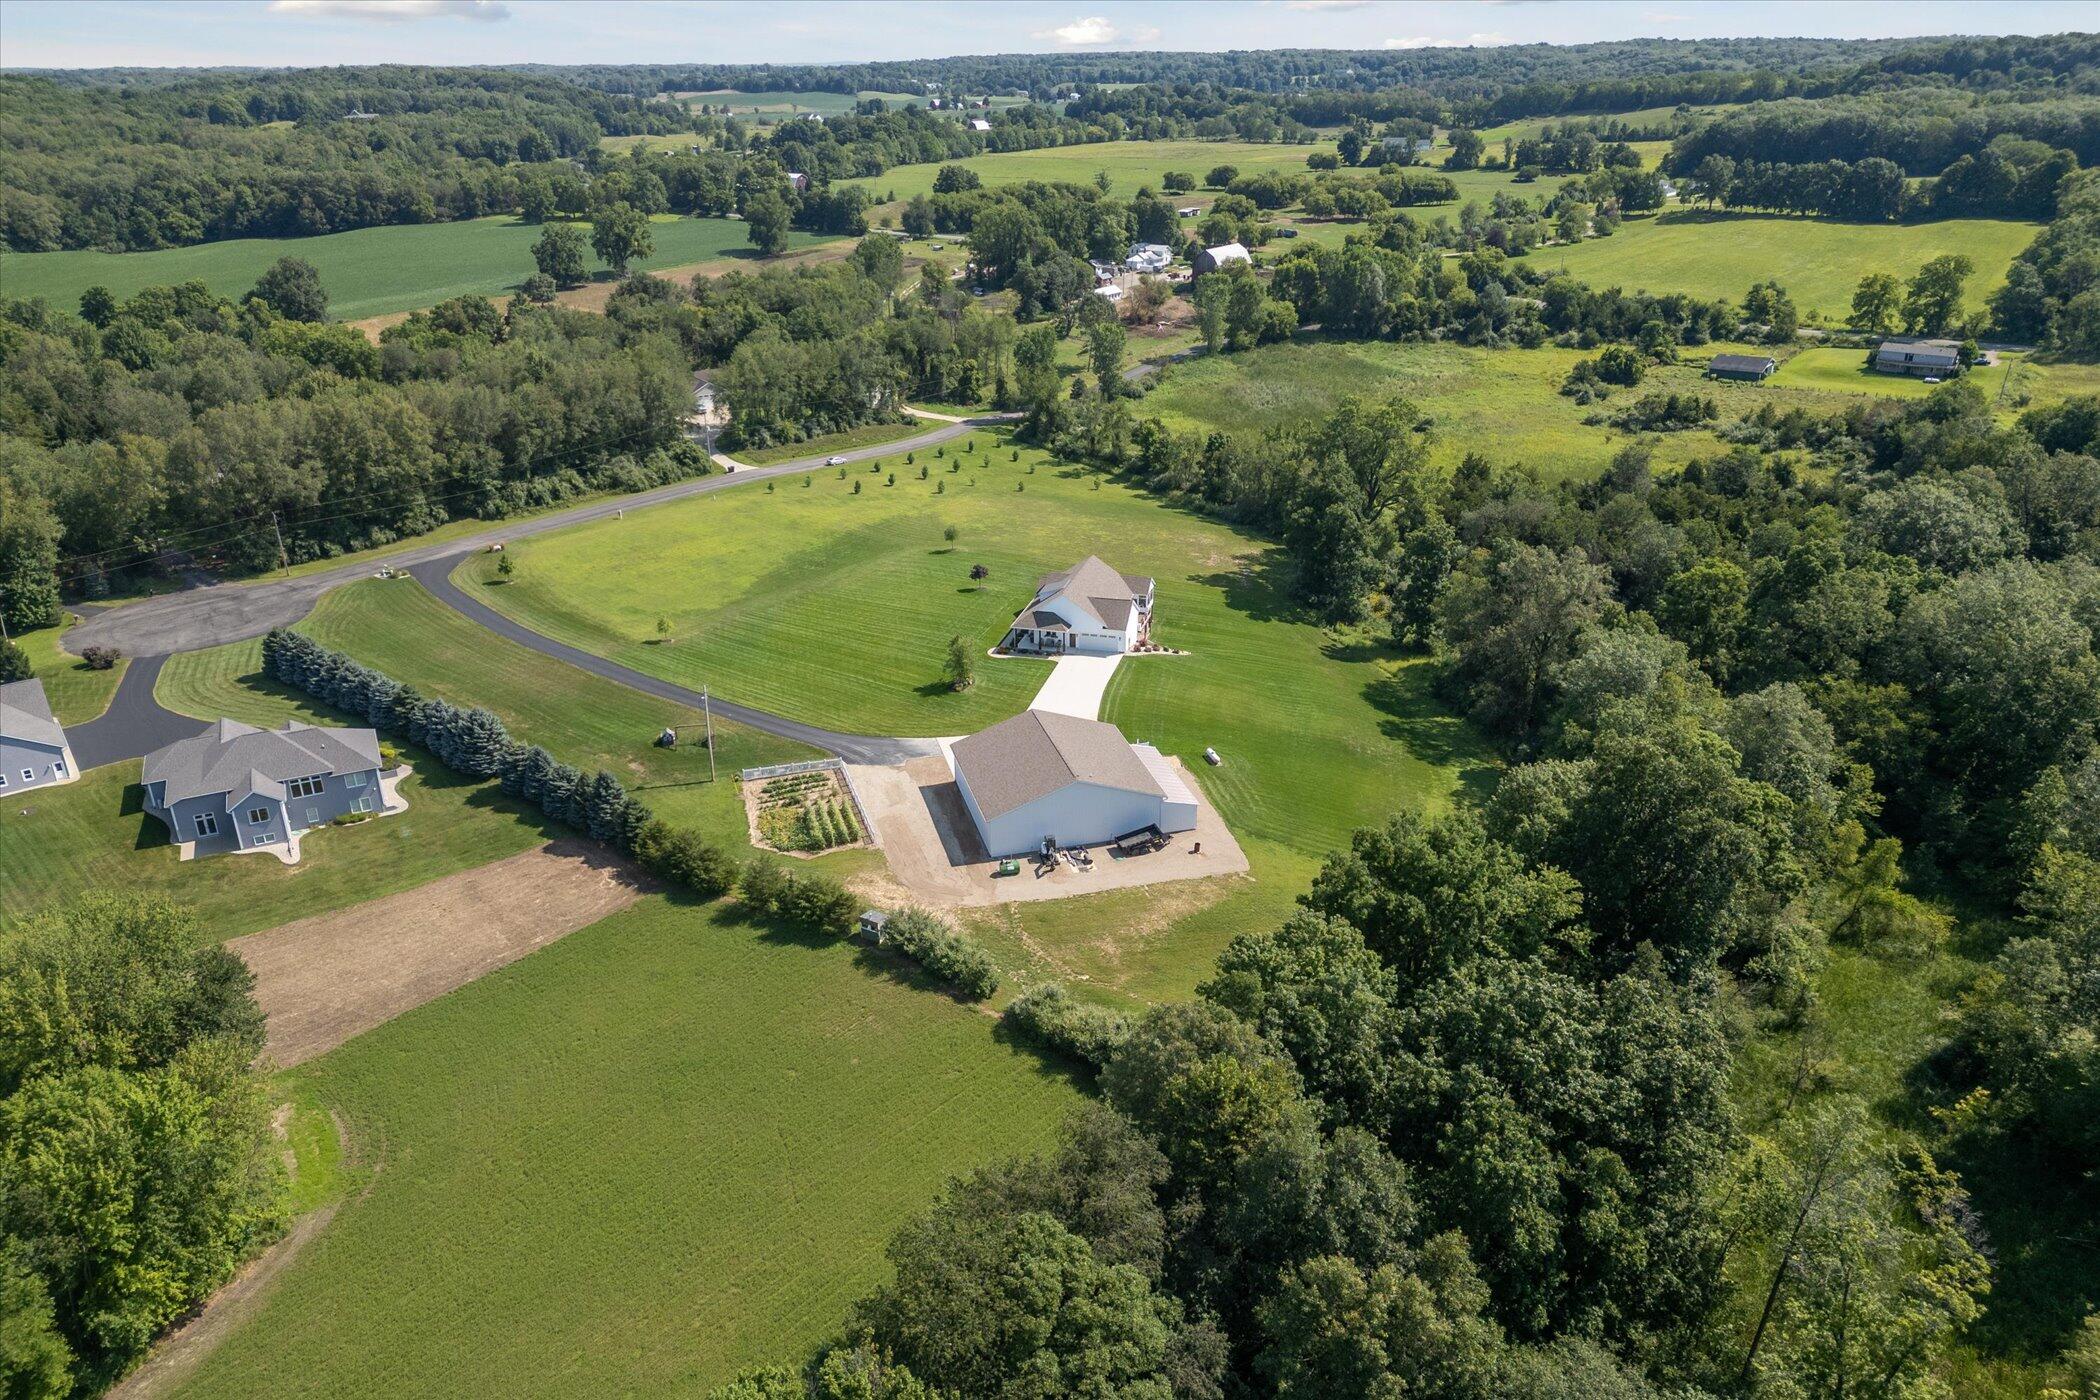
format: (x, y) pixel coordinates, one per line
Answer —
(1325, 4)
(396, 11)
(1095, 29)
(1471, 41)
(1661, 17)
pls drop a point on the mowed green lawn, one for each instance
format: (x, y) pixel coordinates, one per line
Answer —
(77, 693)
(368, 272)
(1129, 164)
(668, 1146)
(1845, 371)
(1818, 261)
(394, 626)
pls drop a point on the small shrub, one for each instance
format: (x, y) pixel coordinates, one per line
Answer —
(1051, 1016)
(948, 955)
(101, 658)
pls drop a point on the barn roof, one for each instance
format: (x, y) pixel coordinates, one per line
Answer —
(1032, 755)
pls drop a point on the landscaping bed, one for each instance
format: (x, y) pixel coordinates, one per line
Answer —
(803, 814)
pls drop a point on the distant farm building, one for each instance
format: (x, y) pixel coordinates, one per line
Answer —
(1224, 255)
(797, 181)
(1752, 367)
(1918, 357)
(1045, 777)
(979, 124)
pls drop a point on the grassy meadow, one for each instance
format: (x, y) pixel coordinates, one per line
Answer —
(1819, 261)
(668, 1146)
(369, 271)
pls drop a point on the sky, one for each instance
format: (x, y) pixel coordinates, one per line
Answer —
(178, 33)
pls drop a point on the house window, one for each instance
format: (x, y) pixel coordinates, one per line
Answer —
(58, 768)
(3, 780)
(313, 814)
(258, 815)
(29, 775)
(355, 780)
(306, 787)
(259, 840)
(364, 804)
(206, 824)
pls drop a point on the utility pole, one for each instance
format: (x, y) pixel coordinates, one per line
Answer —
(708, 705)
(284, 562)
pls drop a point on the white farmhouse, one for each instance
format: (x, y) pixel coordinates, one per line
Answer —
(1045, 777)
(1088, 608)
(1149, 257)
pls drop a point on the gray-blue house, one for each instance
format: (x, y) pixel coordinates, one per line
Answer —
(33, 748)
(235, 787)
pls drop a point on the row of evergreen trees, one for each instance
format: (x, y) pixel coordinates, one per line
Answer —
(471, 742)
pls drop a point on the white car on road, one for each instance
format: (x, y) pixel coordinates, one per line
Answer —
(834, 461)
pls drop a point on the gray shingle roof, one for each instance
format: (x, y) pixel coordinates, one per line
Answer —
(1741, 364)
(1098, 590)
(26, 715)
(1920, 352)
(240, 761)
(1037, 752)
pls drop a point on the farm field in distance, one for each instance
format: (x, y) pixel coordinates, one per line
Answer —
(1129, 164)
(369, 271)
(668, 1146)
(1819, 261)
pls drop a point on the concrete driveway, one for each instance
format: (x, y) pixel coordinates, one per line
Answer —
(1076, 686)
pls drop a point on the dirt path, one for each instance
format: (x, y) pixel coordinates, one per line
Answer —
(182, 1351)
(325, 979)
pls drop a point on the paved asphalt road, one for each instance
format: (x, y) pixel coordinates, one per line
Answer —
(210, 616)
(854, 748)
(134, 725)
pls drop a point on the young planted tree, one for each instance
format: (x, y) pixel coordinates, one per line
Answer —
(961, 668)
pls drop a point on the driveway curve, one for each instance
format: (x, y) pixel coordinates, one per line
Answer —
(435, 575)
(215, 614)
(134, 725)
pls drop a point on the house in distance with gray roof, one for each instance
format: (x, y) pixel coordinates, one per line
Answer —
(1042, 776)
(1089, 608)
(238, 788)
(33, 748)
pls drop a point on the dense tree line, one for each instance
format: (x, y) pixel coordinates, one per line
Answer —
(280, 154)
(1923, 132)
(178, 422)
(137, 1165)
(2050, 296)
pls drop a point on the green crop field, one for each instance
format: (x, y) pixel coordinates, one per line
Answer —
(665, 1147)
(1129, 164)
(1645, 116)
(1820, 262)
(368, 272)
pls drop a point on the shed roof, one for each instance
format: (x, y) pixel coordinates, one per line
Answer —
(1037, 752)
(1229, 252)
(1920, 352)
(25, 714)
(1742, 364)
(241, 761)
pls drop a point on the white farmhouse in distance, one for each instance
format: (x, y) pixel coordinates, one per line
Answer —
(1149, 257)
